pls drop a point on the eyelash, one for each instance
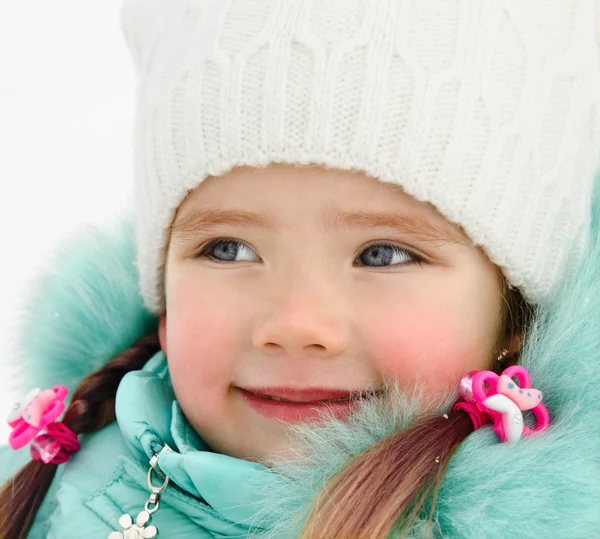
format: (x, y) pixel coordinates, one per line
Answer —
(202, 253)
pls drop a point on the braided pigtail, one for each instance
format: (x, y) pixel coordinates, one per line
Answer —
(92, 407)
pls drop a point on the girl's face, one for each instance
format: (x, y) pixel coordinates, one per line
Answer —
(305, 284)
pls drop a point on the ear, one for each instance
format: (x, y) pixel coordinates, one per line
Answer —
(162, 333)
(514, 344)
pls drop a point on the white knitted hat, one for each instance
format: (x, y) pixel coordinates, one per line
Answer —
(488, 109)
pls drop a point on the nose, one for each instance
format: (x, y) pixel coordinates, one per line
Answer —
(303, 319)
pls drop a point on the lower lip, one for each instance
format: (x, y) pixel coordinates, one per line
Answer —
(293, 412)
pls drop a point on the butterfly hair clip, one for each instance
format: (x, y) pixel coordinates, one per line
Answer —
(502, 400)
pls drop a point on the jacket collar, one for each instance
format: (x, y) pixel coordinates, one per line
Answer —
(152, 423)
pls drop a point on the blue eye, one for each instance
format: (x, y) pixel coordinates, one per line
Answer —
(375, 255)
(224, 250)
(386, 255)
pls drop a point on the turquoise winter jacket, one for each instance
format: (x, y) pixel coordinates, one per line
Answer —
(210, 495)
(86, 308)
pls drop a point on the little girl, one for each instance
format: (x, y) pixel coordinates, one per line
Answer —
(367, 245)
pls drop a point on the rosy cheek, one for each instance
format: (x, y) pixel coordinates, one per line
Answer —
(437, 356)
(196, 347)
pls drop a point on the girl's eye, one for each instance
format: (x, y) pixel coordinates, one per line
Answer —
(387, 255)
(375, 255)
(226, 250)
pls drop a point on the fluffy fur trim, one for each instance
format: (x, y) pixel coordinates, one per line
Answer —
(83, 310)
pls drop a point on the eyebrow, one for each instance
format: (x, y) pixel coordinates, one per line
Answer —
(202, 221)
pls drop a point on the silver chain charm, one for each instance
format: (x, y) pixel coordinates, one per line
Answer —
(139, 530)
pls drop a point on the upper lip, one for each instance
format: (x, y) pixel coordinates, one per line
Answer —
(310, 394)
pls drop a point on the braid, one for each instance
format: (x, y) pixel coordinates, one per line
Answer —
(92, 407)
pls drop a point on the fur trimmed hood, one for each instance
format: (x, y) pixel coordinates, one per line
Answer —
(88, 308)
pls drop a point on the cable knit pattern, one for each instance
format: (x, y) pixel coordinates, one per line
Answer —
(490, 110)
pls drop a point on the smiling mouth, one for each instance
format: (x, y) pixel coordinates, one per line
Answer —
(292, 405)
(268, 397)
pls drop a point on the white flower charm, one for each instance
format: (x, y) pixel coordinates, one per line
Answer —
(137, 530)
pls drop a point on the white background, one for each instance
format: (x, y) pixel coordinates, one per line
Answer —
(66, 109)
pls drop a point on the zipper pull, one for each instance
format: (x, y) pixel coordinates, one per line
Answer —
(139, 530)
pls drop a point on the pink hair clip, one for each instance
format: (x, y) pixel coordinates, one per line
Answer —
(39, 410)
(499, 400)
